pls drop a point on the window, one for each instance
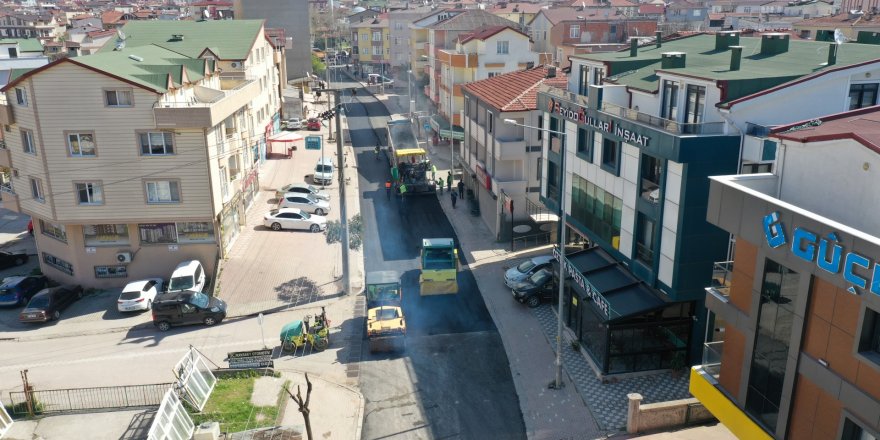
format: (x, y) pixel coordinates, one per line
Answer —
(119, 271)
(89, 193)
(670, 100)
(377, 50)
(58, 263)
(583, 144)
(583, 78)
(21, 96)
(649, 185)
(106, 235)
(81, 144)
(157, 233)
(195, 232)
(752, 168)
(54, 230)
(696, 98)
(779, 292)
(37, 189)
(645, 240)
(354, 37)
(557, 145)
(494, 74)
(860, 95)
(490, 122)
(155, 143)
(596, 209)
(377, 35)
(118, 98)
(163, 191)
(27, 142)
(13, 52)
(598, 76)
(610, 156)
(503, 47)
(612, 29)
(574, 31)
(553, 176)
(540, 127)
(852, 431)
(869, 342)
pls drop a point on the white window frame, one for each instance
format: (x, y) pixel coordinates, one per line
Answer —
(117, 93)
(149, 137)
(94, 192)
(502, 47)
(574, 31)
(79, 142)
(37, 189)
(173, 186)
(27, 142)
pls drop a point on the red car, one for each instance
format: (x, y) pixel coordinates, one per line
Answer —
(314, 124)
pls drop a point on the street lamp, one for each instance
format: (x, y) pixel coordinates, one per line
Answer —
(558, 383)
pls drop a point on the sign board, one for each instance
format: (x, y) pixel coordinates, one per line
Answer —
(427, 127)
(313, 142)
(250, 359)
(255, 364)
(592, 292)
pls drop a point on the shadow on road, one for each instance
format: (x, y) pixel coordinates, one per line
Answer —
(139, 426)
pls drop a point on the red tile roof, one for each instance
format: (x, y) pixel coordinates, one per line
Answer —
(862, 126)
(213, 3)
(515, 91)
(486, 32)
(111, 17)
(651, 9)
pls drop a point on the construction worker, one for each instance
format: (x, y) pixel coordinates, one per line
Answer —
(449, 182)
(440, 184)
(388, 189)
(454, 196)
(461, 189)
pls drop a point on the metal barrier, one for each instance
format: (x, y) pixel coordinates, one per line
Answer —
(529, 241)
(78, 399)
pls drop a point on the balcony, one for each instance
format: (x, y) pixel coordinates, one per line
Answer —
(208, 107)
(6, 116)
(712, 358)
(510, 148)
(722, 274)
(667, 125)
(9, 197)
(580, 100)
(704, 387)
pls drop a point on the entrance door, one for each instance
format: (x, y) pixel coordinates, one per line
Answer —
(574, 314)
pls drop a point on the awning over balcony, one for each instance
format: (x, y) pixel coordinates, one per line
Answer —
(441, 125)
(285, 137)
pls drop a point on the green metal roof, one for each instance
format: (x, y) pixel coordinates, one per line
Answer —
(24, 44)
(148, 66)
(228, 39)
(757, 72)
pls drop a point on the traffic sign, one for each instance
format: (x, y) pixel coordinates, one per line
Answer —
(427, 127)
(313, 142)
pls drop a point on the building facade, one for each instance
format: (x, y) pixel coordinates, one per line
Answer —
(152, 157)
(371, 45)
(290, 15)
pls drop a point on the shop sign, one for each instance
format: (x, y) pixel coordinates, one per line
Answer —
(580, 116)
(825, 252)
(592, 292)
(483, 177)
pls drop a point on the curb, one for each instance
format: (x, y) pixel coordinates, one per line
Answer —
(360, 411)
(142, 326)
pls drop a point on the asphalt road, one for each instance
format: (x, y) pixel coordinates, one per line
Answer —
(453, 381)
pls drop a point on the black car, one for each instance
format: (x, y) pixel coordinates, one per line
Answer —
(185, 308)
(10, 259)
(534, 289)
(49, 303)
(18, 290)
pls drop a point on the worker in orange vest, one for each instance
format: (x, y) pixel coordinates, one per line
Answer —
(388, 189)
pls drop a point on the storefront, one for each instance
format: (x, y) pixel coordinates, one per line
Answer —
(624, 325)
(230, 222)
(250, 187)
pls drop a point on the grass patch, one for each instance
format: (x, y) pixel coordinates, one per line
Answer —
(230, 404)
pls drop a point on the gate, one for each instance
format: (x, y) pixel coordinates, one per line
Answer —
(79, 399)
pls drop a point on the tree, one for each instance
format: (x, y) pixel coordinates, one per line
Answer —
(317, 66)
(355, 232)
(303, 404)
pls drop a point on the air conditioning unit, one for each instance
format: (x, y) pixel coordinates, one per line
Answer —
(207, 431)
(123, 257)
(236, 65)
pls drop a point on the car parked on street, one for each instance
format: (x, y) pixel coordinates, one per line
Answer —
(302, 188)
(139, 295)
(11, 259)
(306, 202)
(536, 288)
(314, 124)
(18, 290)
(48, 304)
(185, 308)
(294, 124)
(187, 276)
(294, 218)
(323, 171)
(526, 269)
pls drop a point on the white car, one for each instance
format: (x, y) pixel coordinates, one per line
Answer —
(294, 124)
(292, 218)
(139, 295)
(306, 202)
(302, 188)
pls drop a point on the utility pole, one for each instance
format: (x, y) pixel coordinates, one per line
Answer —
(343, 210)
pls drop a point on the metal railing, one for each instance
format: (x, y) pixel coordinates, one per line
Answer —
(664, 124)
(80, 399)
(530, 241)
(712, 358)
(722, 274)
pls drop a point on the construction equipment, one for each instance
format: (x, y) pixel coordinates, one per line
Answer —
(386, 325)
(439, 263)
(410, 167)
(297, 333)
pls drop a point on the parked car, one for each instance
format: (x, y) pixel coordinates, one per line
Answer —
(139, 295)
(49, 303)
(294, 124)
(526, 269)
(187, 276)
(323, 171)
(293, 218)
(536, 288)
(10, 259)
(185, 308)
(18, 290)
(306, 202)
(314, 124)
(302, 188)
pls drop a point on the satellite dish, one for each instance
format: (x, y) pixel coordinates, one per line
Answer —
(839, 37)
(120, 44)
(220, 14)
(120, 35)
(206, 14)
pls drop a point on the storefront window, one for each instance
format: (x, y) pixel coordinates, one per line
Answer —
(54, 230)
(111, 271)
(195, 232)
(157, 233)
(106, 235)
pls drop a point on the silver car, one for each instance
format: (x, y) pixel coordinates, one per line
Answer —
(302, 188)
(292, 218)
(294, 124)
(525, 269)
(306, 202)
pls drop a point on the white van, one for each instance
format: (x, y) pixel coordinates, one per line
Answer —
(187, 276)
(323, 171)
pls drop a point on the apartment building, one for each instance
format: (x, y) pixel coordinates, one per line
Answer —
(522, 13)
(145, 154)
(644, 129)
(292, 16)
(794, 351)
(371, 45)
(45, 27)
(401, 34)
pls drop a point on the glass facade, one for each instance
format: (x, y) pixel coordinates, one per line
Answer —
(597, 210)
(779, 291)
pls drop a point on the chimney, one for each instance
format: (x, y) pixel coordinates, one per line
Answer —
(735, 57)
(672, 60)
(724, 40)
(658, 35)
(551, 72)
(775, 43)
(832, 53)
(633, 47)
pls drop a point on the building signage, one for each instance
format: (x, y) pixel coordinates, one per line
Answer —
(827, 253)
(250, 359)
(313, 142)
(592, 292)
(483, 177)
(580, 116)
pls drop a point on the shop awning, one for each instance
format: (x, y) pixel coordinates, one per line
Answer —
(441, 126)
(613, 291)
(285, 136)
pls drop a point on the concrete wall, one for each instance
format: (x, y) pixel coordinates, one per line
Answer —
(663, 415)
(293, 17)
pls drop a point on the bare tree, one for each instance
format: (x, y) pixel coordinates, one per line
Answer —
(303, 404)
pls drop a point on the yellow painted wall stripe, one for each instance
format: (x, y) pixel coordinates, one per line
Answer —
(740, 424)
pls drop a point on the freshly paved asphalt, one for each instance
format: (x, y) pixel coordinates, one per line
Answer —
(453, 380)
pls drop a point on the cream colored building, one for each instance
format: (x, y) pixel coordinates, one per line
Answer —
(137, 158)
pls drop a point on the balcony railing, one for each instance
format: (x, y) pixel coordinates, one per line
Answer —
(667, 125)
(712, 358)
(564, 94)
(722, 273)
